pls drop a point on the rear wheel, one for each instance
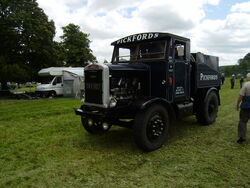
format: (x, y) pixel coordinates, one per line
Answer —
(151, 127)
(207, 110)
(95, 126)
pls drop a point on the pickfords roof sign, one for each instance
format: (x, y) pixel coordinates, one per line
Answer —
(136, 38)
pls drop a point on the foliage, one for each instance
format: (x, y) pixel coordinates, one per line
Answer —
(243, 67)
(231, 69)
(76, 46)
(44, 145)
(244, 64)
(26, 40)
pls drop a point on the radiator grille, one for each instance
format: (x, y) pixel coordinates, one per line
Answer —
(93, 86)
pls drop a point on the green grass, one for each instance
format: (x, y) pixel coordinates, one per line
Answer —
(24, 89)
(42, 144)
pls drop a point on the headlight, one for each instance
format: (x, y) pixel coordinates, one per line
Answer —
(112, 102)
(82, 96)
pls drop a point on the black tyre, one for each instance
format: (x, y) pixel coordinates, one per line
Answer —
(207, 110)
(95, 126)
(52, 93)
(151, 127)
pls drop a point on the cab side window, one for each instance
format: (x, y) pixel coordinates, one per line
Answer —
(58, 80)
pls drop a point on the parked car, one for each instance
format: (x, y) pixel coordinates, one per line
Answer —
(28, 84)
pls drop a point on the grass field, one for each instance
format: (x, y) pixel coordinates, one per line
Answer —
(42, 144)
(24, 89)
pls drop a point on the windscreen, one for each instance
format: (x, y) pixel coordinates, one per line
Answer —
(46, 79)
(140, 51)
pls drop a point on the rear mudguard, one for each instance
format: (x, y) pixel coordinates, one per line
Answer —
(209, 91)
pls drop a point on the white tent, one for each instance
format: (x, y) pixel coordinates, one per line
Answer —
(72, 84)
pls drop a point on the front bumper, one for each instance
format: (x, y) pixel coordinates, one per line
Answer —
(105, 113)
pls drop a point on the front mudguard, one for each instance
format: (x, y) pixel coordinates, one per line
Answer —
(144, 104)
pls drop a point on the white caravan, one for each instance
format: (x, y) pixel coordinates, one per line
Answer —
(53, 85)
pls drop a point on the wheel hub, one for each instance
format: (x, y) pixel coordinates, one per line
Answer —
(155, 127)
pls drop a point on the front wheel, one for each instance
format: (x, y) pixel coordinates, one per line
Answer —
(207, 110)
(95, 126)
(53, 94)
(151, 127)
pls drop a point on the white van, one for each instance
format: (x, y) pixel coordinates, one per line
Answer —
(53, 84)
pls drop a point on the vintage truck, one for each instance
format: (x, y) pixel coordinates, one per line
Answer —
(152, 80)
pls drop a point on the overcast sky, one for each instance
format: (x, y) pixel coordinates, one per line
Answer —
(216, 27)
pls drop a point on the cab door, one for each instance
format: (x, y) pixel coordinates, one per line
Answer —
(58, 85)
(181, 71)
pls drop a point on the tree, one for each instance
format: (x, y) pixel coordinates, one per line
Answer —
(26, 40)
(244, 64)
(230, 69)
(239, 61)
(76, 46)
(246, 58)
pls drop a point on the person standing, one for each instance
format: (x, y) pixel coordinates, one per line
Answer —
(232, 80)
(243, 102)
(241, 81)
(222, 78)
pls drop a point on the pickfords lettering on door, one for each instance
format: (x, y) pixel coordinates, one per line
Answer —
(208, 77)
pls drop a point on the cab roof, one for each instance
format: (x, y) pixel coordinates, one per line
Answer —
(146, 37)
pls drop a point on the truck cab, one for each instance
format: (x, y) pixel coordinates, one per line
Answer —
(166, 55)
(53, 87)
(152, 80)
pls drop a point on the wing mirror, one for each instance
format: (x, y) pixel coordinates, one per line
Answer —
(180, 51)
